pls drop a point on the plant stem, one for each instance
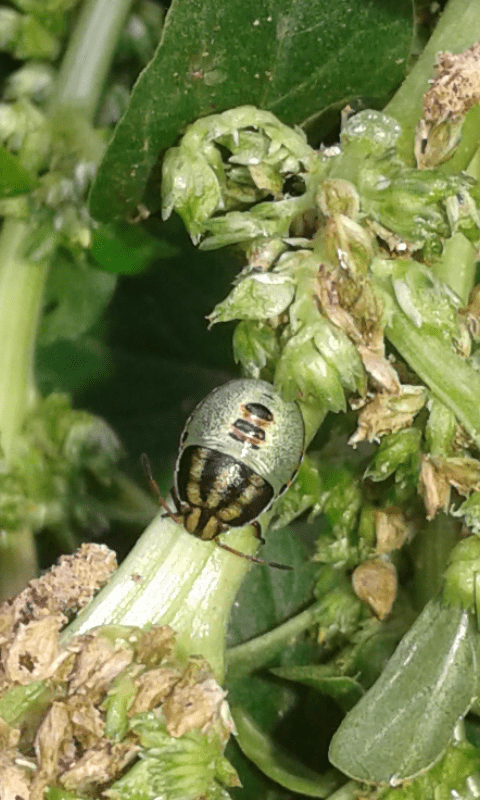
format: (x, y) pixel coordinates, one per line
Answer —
(457, 29)
(21, 293)
(80, 81)
(451, 379)
(457, 265)
(251, 655)
(89, 54)
(172, 578)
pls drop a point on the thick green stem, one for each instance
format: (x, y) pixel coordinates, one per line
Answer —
(457, 265)
(21, 292)
(451, 379)
(82, 74)
(172, 578)
(89, 54)
(457, 29)
(246, 657)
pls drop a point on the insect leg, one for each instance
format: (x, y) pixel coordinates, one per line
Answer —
(251, 558)
(155, 487)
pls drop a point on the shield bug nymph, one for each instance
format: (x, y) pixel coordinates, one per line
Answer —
(240, 449)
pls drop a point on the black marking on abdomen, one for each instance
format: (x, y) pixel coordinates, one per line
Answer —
(247, 432)
(223, 483)
(260, 411)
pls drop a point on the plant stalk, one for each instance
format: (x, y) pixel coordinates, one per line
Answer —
(81, 77)
(172, 578)
(457, 29)
(88, 57)
(21, 292)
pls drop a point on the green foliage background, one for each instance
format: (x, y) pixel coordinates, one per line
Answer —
(125, 331)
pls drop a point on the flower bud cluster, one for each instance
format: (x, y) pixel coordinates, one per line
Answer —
(341, 244)
(118, 706)
(47, 483)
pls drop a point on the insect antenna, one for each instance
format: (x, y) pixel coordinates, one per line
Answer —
(155, 487)
(252, 558)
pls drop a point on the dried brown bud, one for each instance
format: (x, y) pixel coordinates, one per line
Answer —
(375, 582)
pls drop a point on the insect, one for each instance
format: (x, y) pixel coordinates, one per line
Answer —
(240, 449)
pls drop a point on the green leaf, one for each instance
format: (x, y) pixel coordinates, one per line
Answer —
(293, 58)
(75, 297)
(269, 597)
(276, 763)
(14, 179)
(344, 689)
(127, 249)
(456, 775)
(404, 723)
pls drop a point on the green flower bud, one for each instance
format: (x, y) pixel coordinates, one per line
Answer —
(265, 220)
(178, 769)
(423, 298)
(462, 213)
(461, 576)
(14, 502)
(341, 609)
(345, 243)
(337, 196)
(33, 80)
(302, 267)
(192, 186)
(10, 26)
(256, 348)
(260, 295)
(440, 428)
(411, 203)
(395, 449)
(376, 130)
(25, 130)
(34, 40)
(434, 144)
(262, 254)
(470, 511)
(340, 502)
(341, 354)
(302, 373)
(198, 183)
(305, 493)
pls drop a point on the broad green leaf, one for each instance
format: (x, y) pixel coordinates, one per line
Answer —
(14, 179)
(269, 597)
(126, 249)
(277, 764)
(75, 297)
(346, 691)
(293, 58)
(405, 722)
